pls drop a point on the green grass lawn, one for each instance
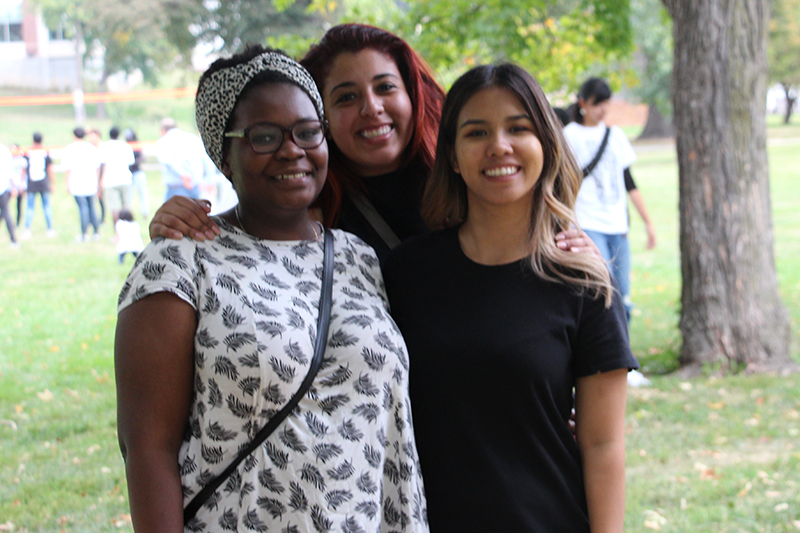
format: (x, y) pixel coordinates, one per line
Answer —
(710, 455)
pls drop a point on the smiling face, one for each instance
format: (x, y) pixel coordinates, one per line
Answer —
(284, 181)
(369, 110)
(496, 150)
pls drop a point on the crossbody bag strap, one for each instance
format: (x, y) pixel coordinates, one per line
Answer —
(323, 321)
(588, 169)
(374, 218)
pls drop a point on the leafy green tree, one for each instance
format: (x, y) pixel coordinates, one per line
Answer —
(130, 35)
(231, 24)
(559, 42)
(784, 50)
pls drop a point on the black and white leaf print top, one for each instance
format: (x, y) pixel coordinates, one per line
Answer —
(345, 459)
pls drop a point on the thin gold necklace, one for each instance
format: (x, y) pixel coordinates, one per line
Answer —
(239, 221)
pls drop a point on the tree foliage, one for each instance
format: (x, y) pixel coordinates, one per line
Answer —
(557, 41)
(784, 49)
(143, 35)
(560, 42)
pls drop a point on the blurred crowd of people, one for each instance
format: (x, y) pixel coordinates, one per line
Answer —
(105, 177)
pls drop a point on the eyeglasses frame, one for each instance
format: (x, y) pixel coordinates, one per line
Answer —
(245, 134)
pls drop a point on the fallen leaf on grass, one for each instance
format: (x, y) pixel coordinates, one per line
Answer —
(747, 488)
(654, 350)
(716, 405)
(9, 423)
(685, 386)
(796, 524)
(45, 395)
(706, 472)
(752, 422)
(94, 448)
(122, 520)
(18, 408)
(72, 393)
(8, 526)
(654, 520)
(781, 507)
(792, 413)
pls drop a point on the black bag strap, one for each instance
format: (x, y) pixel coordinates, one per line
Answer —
(323, 321)
(588, 169)
(374, 218)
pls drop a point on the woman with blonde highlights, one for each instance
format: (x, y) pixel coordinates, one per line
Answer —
(501, 324)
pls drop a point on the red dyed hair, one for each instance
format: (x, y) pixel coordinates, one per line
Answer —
(426, 96)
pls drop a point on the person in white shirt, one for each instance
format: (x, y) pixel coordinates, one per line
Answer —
(185, 165)
(116, 156)
(40, 181)
(6, 179)
(81, 161)
(602, 206)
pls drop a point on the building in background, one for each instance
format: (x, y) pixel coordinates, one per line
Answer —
(33, 56)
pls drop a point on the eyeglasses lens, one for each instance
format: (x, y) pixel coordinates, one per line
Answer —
(268, 138)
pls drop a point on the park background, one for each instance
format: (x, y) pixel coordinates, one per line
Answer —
(714, 453)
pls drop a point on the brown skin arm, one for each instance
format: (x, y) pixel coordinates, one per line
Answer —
(154, 367)
(181, 216)
(600, 406)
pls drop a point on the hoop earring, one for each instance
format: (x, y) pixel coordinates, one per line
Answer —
(582, 111)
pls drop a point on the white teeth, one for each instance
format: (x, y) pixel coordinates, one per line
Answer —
(502, 171)
(371, 134)
(290, 176)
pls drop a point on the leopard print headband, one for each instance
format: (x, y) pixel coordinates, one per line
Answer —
(217, 95)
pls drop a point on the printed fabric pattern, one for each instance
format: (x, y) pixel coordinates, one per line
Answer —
(345, 459)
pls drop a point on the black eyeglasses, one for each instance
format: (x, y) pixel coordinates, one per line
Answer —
(266, 138)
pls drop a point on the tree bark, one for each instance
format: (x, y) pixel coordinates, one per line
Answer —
(656, 126)
(732, 317)
(790, 99)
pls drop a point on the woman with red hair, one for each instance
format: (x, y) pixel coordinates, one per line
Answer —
(383, 106)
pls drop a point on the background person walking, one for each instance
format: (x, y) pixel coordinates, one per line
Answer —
(40, 181)
(81, 161)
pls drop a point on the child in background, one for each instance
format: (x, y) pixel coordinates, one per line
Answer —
(128, 235)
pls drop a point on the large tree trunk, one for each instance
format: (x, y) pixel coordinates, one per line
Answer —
(656, 127)
(732, 317)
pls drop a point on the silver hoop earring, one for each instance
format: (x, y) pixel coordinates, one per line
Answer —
(582, 111)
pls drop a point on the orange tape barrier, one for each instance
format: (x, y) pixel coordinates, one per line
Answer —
(92, 98)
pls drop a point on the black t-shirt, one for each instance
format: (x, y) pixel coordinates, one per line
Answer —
(396, 196)
(494, 353)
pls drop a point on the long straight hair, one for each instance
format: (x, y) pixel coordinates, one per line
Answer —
(425, 93)
(444, 203)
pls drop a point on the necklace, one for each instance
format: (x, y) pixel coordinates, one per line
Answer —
(310, 223)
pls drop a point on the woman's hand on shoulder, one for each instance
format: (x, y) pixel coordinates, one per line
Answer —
(577, 241)
(181, 216)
